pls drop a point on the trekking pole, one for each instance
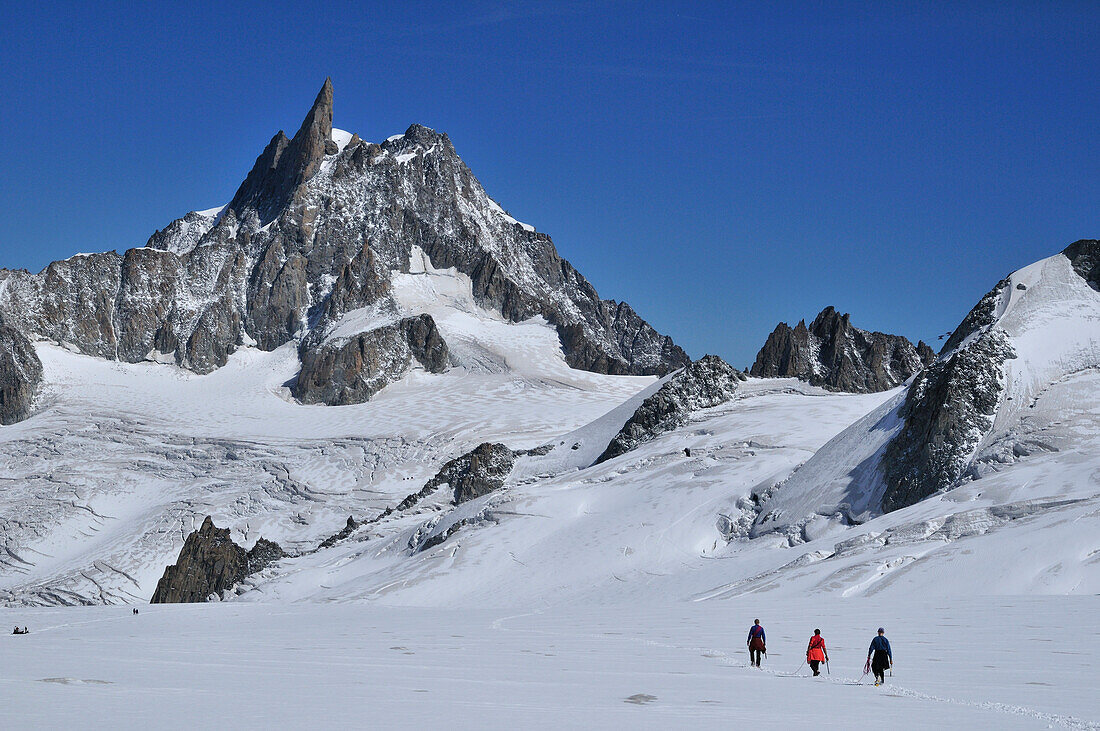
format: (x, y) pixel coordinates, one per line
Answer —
(827, 669)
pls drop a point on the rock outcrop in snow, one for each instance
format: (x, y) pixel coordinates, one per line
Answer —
(947, 411)
(315, 231)
(952, 406)
(1084, 257)
(20, 374)
(210, 563)
(706, 383)
(833, 354)
(352, 371)
(478, 472)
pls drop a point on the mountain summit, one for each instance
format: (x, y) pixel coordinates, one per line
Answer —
(310, 242)
(834, 354)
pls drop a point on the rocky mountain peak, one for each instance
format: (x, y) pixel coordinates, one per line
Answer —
(286, 164)
(830, 322)
(420, 134)
(834, 354)
(315, 233)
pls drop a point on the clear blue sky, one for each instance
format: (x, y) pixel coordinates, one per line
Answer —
(721, 166)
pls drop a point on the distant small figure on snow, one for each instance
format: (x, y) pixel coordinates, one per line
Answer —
(687, 451)
(135, 610)
(880, 657)
(816, 652)
(23, 631)
(757, 643)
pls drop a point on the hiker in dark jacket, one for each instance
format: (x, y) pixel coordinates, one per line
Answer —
(757, 643)
(880, 657)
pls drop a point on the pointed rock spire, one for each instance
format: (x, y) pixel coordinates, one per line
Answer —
(834, 354)
(285, 164)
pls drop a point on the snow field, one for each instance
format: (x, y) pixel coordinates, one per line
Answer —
(1014, 663)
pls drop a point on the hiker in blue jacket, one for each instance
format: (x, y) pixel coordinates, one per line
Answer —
(880, 657)
(757, 643)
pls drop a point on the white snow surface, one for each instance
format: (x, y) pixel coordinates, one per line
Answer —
(579, 594)
(656, 665)
(212, 212)
(341, 138)
(479, 340)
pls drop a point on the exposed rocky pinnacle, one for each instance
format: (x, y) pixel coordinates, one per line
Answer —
(833, 354)
(210, 563)
(286, 164)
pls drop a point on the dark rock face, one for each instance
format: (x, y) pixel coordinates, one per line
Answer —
(833, 354)
(475, 473)
(1084, 255)
(286, 164)
(351, 372)
(981, 316)
(209, 563)
(314, 233)
(350, 527)
(20, 374)
(948, 409)
(706, 383)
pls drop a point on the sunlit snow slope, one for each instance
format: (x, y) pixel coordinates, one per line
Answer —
(123, 460)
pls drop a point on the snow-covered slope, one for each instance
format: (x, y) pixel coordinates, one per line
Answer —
(1016, 380)
(123, 460)
(780, 492)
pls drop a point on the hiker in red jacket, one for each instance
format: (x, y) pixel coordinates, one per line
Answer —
(757, 643)
(816, 652)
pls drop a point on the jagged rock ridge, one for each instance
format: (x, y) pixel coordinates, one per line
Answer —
(947, 410)
(706, 383)
(833, 354)
(210, 563)
(314, 233)
(478, 472)
(951, 406)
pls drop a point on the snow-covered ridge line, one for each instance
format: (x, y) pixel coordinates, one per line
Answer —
(971, 413)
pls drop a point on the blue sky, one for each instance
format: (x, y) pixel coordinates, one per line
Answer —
(721, 166)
